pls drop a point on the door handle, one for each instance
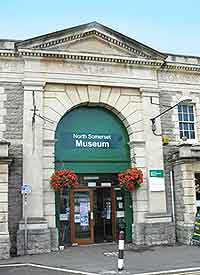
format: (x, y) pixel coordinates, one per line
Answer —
(91, 215)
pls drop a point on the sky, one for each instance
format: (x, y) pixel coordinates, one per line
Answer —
(170, 26)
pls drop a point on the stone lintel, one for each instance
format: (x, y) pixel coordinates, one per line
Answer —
(34, 223)
(33, 85)
(5, 160)
(3, 142)
(188, 151)
(150, 92)
(158, 218)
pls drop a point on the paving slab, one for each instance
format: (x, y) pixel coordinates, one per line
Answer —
(102, 258)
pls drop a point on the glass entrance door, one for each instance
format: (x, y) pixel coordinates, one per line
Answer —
(82, 231)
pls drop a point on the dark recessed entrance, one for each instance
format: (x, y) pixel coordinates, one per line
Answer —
(103, 215)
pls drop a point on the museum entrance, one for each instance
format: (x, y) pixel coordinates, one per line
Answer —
(92, 142)
(92, 215)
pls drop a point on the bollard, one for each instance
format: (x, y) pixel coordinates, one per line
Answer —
(121, 251)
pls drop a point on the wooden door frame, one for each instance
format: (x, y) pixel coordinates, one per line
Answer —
(72, 225)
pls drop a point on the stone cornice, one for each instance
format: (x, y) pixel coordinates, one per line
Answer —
(181, 66)
(8, 53)
(88, 57)
(33, 53)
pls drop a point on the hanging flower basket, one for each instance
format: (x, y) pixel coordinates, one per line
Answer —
(131, 179)
(63, 179)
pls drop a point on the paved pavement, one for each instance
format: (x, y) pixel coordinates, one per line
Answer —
(26, 270)
(102, 259)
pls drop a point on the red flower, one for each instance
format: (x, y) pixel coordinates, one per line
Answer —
(63, 178)
(131, 179)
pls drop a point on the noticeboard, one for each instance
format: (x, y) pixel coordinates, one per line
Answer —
(196, 232)
(156, 180)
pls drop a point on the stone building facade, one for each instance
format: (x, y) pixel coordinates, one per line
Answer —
(44, 78)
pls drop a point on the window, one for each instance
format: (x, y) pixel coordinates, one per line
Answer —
(186, 121)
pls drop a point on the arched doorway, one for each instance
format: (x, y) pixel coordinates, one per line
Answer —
(92, 142)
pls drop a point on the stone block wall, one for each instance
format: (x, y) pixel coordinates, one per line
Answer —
(4, 234)
(183, 171)
(167, 129)
(14, 195)
(179, 193)
(38, 241)
(13, 132)
(168, 123)
(154, 234)
(14, 112)
(184, 233)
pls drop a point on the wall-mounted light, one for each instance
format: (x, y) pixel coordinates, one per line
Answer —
(153, 120)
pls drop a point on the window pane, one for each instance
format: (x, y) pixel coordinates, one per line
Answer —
(184, 108)
(186, 134)
(192, 135)
(180, 117)
(179, 108)
(191, 126)
(190, 108)
(82, 215)
(181, 134)
(181, 126)
(185, 126)
(185, 117)
(191, 116)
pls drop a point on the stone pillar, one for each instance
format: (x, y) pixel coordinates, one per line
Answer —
(4, 234)
(186, 161)
(153, 147)
(38, 231)
(32, 147)
(156, 228)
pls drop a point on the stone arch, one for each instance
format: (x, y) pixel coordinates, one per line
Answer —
(125, 103)
(59, 100)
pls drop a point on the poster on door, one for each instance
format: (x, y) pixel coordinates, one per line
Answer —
(84, 217)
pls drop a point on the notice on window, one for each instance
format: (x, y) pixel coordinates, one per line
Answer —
(84, 217)
(77, 218)
(63, 217)
(120, 214)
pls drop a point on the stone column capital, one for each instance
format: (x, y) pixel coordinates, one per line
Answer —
(150, 92)
(33, 85)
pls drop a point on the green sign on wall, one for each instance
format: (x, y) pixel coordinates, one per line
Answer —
(92, 140)
(156, 173)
